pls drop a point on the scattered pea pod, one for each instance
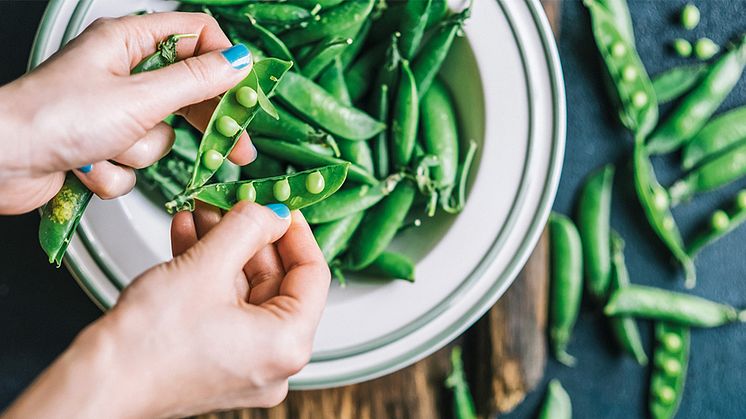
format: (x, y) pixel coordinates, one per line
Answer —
(405, 118)
(282, 14)
(392, 265)
(672, 84)
(720, 224)
(331, 22)
(619, 11)
(669, 374)
(463, 402)
(296, 191)
(333, 237)
(412, 26)
(566, 284)
(233, 114)
(349, 201)
(557, 403)
(717, 172)
(594, 212)
(697, 107)
(669, 306)
(719, 135)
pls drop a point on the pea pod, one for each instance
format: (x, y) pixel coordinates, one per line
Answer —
(216, 2)
(392, 266)
(380, 143)
(334, 237)
(566, 284)
(263, 78)
(271, 43)
(557, 403)
(311, 100)
(330, 23)
(669, 374)
(305, 157)
(719, 135)
(358, 41)
(624, 328)
(594, 212)
(463, 402)
(440, 138)
(720, 224)
(669, 306)
(282, 14)
(333, 81)
(310, 4)
(412, 26)
(619, 11)
(262, 166)
(380, 226)
(296, 191)
(287, 127)
(717, 172)
(404, 118)
(672, 84)
(323, 55)
(360, 73)
(164, 55)
(697, 107)
(350, 201)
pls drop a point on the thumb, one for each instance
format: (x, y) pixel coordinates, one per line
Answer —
(191, 80)
(243, 231)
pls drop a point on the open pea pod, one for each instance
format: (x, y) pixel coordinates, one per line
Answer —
(232, 117)
(61, 216)
(297, 190)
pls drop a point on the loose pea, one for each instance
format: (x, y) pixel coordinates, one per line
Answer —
(690, 16)
(672, 342)
(247, 97)
(682, 47)
(741, 200)
(227, 126)
(639, 99)
(618, 49)
(315, 183)
(719, 220)
(281, 190)
(629, 73)
(212, 159)
(666, 395)
(246, 192)
(705, 48)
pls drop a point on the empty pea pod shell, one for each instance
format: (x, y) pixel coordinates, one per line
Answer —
(61, 216)
(719, 135)
(557, 404)
(225, 195)
(263, 78)
(350, 201)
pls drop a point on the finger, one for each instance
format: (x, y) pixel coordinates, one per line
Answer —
(205, 218)
(242, 232)
(106, 179)
(307, 276)
(198, 115)
(149, 149)
(183, 233)
(265, 274)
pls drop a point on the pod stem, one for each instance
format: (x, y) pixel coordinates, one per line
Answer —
(564, 358)
(679, 192)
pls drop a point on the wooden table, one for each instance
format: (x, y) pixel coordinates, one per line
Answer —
(504, 353)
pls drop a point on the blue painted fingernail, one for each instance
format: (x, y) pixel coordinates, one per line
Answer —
(281, 210)
(85, 169)
(238, 56)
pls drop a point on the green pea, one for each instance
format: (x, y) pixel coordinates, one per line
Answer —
(639, 99)
(705, 48)
(741, 200)
(671, 367)
(719, 220)
(246, 192)
(629, 73)
(682, 47)
(247, 97)
(227, 126)
(281, 190)
(672, 342)
(618, 49)
(668, 222)
(315, 183)
(212, 159)
(690, 16)
(666, 395)
(660, 199)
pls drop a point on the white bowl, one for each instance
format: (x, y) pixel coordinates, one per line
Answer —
(507, 82)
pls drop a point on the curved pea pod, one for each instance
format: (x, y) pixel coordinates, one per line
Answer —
(720, 224)
(357, 152)
(717, 172)
(619, 11)
(292, 190)
(672, 84)
(263, 78)
(655, 203)
(697, 107)
(557, 403)
(349, 201)
(463, 402)
(334, 237)
(428, 61)
(405, 117)
(380, 143)
(380, 226)
(624, 328)
(330, 23)
(566, 284)
(271, 43)
(306, 157)
(61, 216)
(274, 13)
(594, 212)
(719, 135)
(287, 127)
(638, 104)
(392, 265)
(412, 26)
(312, 101)
(669, 306)
(333, 81)
(669, 373)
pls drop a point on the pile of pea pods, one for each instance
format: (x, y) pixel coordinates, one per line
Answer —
(589, 254)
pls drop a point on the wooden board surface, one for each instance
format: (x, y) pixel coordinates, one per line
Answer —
(504, 353)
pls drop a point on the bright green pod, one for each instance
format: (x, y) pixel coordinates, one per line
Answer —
(715, 173)
(61, 216)
(405, 117)
(557, 403)
(439, 125)
(412, 26)
(349, 201)
(667, 387)
(719, 135)
(392, 265)
(330, 23)
(429, 60)
(720, 225)
(333, 238)
(673, 83)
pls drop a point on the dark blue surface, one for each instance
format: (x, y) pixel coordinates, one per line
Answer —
(42, 309)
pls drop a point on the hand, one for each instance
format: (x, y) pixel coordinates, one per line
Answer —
(83, 107)
(221, 326)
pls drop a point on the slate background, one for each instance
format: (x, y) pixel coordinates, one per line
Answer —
(42, 309)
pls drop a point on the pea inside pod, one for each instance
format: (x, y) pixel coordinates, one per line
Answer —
(720, 224)
(669, 373)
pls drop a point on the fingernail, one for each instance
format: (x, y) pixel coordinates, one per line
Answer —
(237, 56)
(85, 169)
(256, 153)
(281, 210)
